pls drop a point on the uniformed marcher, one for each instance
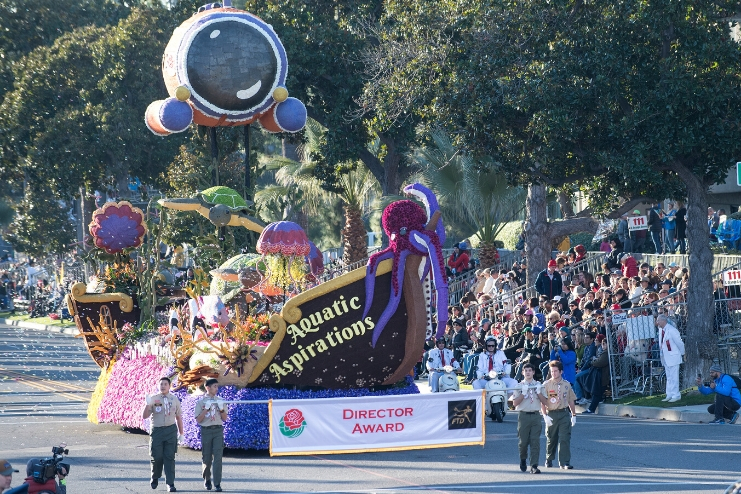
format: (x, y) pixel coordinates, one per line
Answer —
(527, 401)
(559, 414)
(438, 358)
(167, 431)
(211, 412)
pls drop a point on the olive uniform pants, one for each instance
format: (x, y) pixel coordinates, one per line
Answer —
(163, 444)
(559, 434)
(212, 441)
(529, 428)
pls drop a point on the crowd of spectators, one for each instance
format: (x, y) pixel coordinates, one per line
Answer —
(568, 319)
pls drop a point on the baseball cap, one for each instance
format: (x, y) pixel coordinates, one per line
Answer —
(599, 338)
(616, 307)
(636, 211)
(552, 264)
(673, 265)
(7, 468)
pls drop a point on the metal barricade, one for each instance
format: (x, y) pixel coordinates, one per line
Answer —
(635, 359)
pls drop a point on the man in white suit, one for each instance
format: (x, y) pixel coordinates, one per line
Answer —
(672, 350)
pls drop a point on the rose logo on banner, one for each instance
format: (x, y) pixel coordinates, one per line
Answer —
(461, 414)
(292, 423)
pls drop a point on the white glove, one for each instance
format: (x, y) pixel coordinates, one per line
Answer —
(573, 420)
(220, 403)
(538, 388)
(548, 421)
(181, 439)
(148, 400)
(525, 388)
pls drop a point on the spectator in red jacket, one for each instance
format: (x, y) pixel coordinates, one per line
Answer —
(581, 252)
(457, 262)
(630, 267)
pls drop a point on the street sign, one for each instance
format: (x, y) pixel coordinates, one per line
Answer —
(637, 223)
(732, 277)
(738, 173)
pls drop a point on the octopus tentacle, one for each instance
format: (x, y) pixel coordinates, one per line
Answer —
(422, 240)
(370, 277)
(393, 301)
(428, 198)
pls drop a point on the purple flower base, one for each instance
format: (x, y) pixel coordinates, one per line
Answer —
(247, 425)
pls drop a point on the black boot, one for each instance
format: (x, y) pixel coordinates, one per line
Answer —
(523, 464)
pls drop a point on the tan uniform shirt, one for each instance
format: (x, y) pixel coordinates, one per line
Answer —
(558, 394)
(530, 403)
(165, 409)
(213, 416)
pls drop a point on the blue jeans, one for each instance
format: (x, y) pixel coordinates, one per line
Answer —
(669, 241)
(656, 237)
(577, 385)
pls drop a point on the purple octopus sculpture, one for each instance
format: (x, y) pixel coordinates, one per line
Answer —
(405, 223)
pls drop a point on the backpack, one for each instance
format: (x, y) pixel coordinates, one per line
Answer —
(736, 381)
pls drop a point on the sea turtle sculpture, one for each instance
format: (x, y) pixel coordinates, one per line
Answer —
(221, 205)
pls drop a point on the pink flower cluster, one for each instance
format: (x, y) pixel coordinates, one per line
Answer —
(130, 382)
(124, 330)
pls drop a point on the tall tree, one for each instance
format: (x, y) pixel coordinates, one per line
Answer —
(26, 25)
(75, 116)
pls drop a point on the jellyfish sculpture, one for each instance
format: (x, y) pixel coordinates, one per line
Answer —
(406, 225)
(284, 246)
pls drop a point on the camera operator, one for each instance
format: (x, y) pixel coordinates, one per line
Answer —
(727, 396)
(51, 485)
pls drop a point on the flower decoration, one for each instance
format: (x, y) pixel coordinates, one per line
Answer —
(118, 226)
(129, 384)
(284, 247)
(98, 393)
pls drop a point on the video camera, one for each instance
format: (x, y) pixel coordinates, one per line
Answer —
(47, 468)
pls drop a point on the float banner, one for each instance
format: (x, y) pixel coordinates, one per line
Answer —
(376, 423)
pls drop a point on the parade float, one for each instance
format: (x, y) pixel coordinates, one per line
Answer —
(359, 334)
(281, 333)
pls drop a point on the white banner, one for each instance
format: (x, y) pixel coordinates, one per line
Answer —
(376, 423)
(637, 223)
(641, 328)
(732, 277)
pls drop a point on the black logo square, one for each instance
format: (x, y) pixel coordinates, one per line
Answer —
(462, 414)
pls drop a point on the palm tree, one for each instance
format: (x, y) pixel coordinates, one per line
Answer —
(295, 180)
(475, 198)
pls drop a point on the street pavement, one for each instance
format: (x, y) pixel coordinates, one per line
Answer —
(46, 379)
